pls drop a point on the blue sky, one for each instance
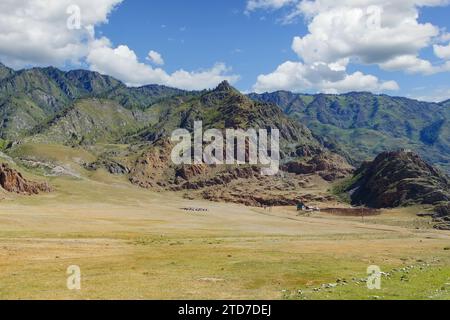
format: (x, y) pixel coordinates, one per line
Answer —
(196, 34)
(399, 47)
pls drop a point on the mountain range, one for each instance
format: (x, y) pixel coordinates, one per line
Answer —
(127, 131)
(64, 106)
(362, 124)
(31, 99)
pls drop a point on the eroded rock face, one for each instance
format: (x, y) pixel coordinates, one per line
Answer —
(396, 179)
(13, 181)
(154, 168)
(237, 184)
(111, 166)
(442, 216)
(261, 199)
(190, 172)
(218, 179)
(443, 210)
(329, 166)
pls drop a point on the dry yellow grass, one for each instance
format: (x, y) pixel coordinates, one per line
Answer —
(132, 243)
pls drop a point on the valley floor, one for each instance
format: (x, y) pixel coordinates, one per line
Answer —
(132, 243)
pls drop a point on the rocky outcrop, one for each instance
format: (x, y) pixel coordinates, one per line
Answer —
(442, 216)
(189, 172)
(329, 166)
(13, 181)
(396, 179)
(154, 169)
(254, 199)
(109, 165)
(218, 179)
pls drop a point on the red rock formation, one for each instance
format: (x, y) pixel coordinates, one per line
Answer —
(329, 166)
(191, 171)
(13, 181)
(153, 168)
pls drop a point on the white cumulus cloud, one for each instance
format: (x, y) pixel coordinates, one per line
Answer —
(35, 32)
(155, 57)
(385, 33)
(296, 76)
(122, 62)
(442, 52)
(46, 32)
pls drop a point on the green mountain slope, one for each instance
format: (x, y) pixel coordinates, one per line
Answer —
(142, 97)
(18, 115)
(364, 124)
(91, 121)
(134, 140)
(5, 72)
(225, 108)
(30, 98)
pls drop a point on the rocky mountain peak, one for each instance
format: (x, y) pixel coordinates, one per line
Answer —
(224, 86)
(399, 178)
(412, 163)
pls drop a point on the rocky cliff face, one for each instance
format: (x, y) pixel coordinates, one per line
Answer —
(13, 181)
(398, 179)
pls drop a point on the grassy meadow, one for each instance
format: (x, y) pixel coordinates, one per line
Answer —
(132, 243)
